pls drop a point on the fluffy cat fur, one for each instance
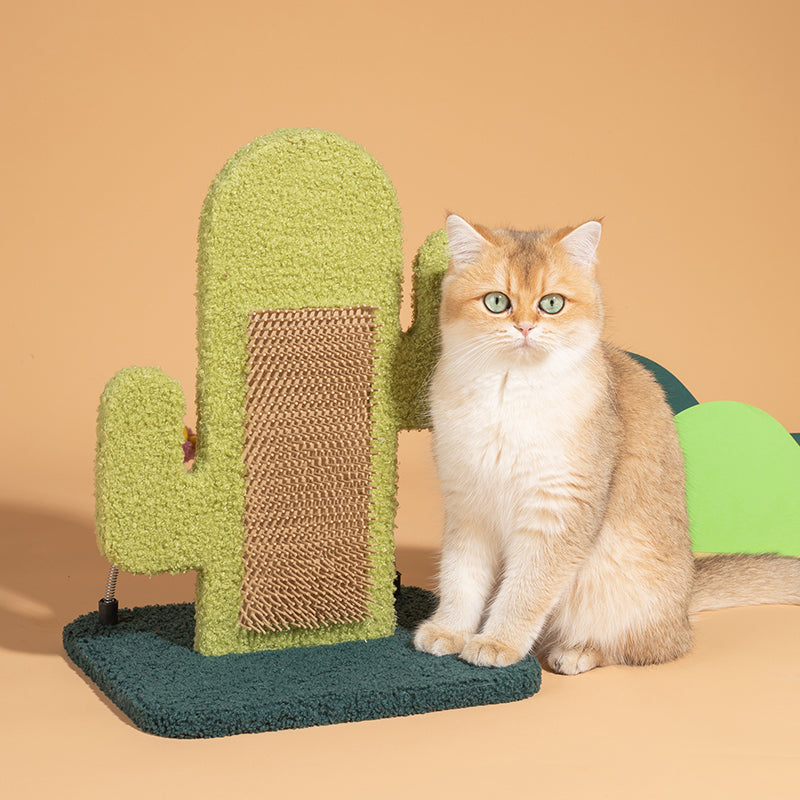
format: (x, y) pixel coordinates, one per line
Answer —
(566, 528)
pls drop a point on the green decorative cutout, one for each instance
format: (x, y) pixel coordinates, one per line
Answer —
(742, 480)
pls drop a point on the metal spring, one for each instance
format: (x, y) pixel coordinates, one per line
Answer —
(111, 583)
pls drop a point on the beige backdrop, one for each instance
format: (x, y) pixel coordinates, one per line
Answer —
(678, 122)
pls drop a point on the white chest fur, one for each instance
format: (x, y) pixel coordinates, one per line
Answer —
(506, 439)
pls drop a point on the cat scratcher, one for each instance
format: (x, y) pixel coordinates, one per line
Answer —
(304, 379)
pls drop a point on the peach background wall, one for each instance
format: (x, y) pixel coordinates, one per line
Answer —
(679, 122)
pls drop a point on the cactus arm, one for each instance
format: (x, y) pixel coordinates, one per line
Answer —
(419, 346)
(149, 509)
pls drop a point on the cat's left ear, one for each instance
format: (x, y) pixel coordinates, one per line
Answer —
(465, 243)
(581, 244)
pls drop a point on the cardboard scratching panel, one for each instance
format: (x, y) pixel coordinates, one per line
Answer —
(308, 455)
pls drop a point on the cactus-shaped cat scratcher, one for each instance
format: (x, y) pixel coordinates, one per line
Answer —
(304, 380)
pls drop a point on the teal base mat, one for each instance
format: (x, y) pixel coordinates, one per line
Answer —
(147, 667)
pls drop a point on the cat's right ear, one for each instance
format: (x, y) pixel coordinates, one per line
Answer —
(581, 244)
(466, 244)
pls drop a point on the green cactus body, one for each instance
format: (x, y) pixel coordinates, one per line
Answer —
(298, 219)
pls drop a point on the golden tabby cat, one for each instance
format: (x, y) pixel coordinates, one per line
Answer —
(565, 515)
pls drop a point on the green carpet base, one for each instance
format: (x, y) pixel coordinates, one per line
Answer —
(147, 667)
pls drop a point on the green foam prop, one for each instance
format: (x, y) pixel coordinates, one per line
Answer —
(742, 480)
(147, 667)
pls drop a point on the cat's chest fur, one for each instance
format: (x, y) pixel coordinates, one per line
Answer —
(498, 430)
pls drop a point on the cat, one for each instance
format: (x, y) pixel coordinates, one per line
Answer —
(566, 530)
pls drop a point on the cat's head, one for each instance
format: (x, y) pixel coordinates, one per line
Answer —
(521, 297)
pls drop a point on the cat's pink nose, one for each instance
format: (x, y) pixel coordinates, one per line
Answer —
(524, 327)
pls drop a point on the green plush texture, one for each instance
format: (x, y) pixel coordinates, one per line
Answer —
(296, 219)
(146, 666)
(742, 480)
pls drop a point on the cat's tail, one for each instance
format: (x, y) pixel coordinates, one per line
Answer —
(724, 581)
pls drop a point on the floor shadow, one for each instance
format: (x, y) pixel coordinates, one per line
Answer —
(52, 572)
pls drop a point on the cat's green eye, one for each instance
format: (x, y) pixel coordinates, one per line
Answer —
(496, 302)
(552, 303)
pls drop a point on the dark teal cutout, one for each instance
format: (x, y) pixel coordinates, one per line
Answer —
(678, 396)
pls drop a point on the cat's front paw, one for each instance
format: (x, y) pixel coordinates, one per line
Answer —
(486, 651)
(438, 641)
